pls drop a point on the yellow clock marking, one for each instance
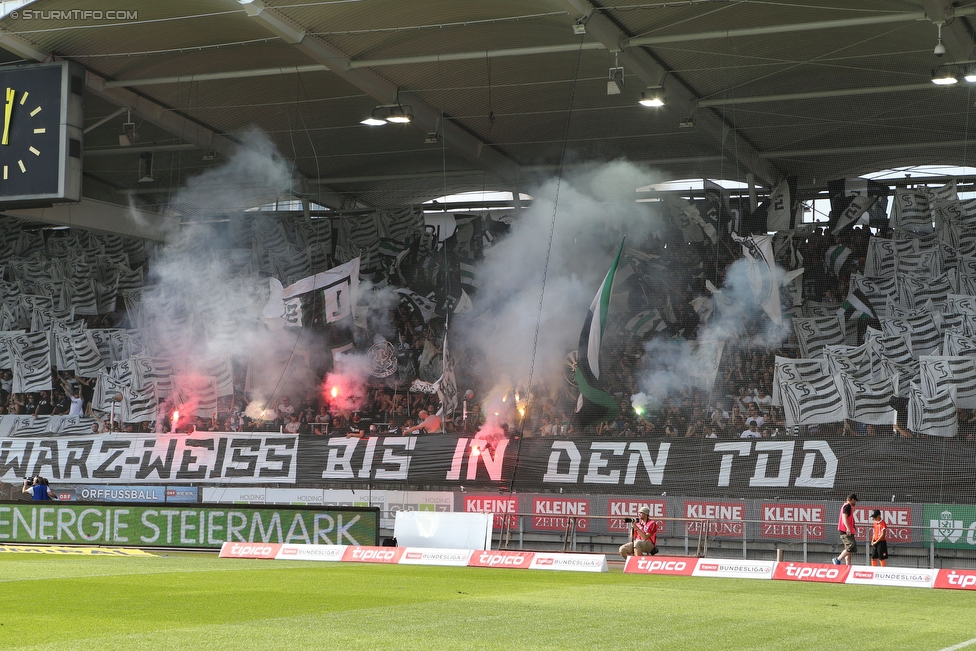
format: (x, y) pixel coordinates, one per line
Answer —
(34, 151)
(4, 172)
(35, 111)
(7, 111)
(41, 130)
(24, 98)
(22, 168)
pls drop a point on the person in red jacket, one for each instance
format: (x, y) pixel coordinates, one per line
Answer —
(879, 539)
(644, 536)
(848, 531)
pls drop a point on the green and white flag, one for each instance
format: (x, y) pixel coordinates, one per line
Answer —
(836, 257)
(857, 306)
(595, 404)
(643, 322)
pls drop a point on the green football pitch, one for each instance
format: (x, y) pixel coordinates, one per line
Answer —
(197, 601)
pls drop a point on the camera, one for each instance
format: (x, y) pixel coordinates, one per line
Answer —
(940, 49)
(628, 519)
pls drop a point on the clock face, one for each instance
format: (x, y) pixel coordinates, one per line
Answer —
(30, 149)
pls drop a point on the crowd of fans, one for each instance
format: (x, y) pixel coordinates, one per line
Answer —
(738, 406)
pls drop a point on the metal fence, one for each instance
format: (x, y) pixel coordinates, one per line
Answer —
(697, 537)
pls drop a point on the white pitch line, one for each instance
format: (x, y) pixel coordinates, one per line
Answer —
(961, 645)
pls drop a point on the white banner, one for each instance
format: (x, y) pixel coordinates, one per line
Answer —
(329, 553)
(899, 576)
(732, 569)
(568, 562)
(442, 557)
(199, 457)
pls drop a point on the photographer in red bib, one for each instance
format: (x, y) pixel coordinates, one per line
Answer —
(643, 536)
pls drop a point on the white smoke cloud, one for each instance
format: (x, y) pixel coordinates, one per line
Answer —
(200, 308)
(668, 363)
(585, 215)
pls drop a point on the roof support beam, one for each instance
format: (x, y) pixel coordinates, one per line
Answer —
(215, 76)
(425, 117)
(653, 73)
(833, 151)
(776, 29)
(818, 94)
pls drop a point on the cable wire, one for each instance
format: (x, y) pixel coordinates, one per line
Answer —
(545, 268)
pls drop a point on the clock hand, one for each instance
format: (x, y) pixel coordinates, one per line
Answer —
(7, 110)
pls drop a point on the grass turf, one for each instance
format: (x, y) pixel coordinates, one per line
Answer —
(197, 601)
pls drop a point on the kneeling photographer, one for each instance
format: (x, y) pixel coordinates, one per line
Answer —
(38, 489)
(643, 537)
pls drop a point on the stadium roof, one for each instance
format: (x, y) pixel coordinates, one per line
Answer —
(504, 91)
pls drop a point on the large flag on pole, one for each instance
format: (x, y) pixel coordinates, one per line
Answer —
(761, 271)
(595, 404)
(447, 387)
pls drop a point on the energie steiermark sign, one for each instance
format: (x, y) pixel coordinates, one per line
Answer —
(184, 526)
(951, 525)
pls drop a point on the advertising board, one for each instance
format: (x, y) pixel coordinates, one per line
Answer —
(732, 569)
(192, 526)
(677, 566)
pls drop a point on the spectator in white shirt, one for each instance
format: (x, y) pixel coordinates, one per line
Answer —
(764, 400)
(751, 433)
(77, 404)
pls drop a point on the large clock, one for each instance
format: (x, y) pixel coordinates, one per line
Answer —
(42, 126)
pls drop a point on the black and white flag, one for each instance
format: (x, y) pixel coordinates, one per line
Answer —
(788, 369)
(850, 362)
(912, 211)
(762, 273)
(880, 261)
(925, 263)
(855, 213)
(877, 290)
(780, 216)
(139, 405)
(939, 373)
(956, 344)
(869, 401)
(815, 333)
(916, 290)
(812, 403)
(922, 330)
(934, 416)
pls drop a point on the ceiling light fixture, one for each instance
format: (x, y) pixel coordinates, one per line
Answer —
(970, 75)
(129, 134)
(944, 76)
(615, 81)
(392, 113)
(146, 167)
(653, 97)
(400, 115)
